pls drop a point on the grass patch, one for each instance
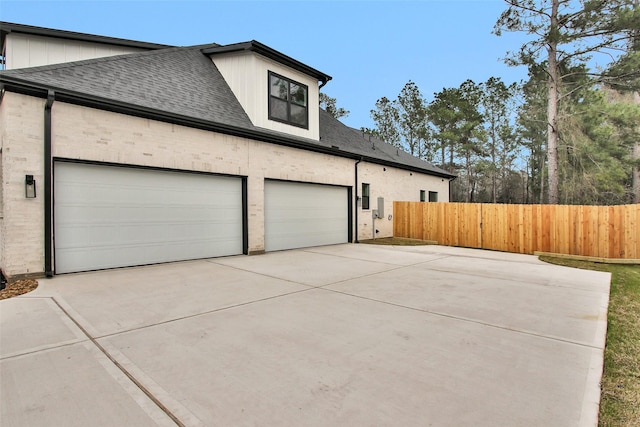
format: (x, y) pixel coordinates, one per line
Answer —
(397, 241)
(620, 396)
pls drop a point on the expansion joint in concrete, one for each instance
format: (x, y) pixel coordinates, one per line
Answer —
(122, 369)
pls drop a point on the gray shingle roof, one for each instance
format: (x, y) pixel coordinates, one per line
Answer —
(183, 83)
(180, 81)
(335, 133)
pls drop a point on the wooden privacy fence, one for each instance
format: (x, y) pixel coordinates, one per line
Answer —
(593, 231)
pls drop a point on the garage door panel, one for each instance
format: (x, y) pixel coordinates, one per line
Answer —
(137, 234)
(142, 214)
(302, 215)
(290, 239)
(113, 217)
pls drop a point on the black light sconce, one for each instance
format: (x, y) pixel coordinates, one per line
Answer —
(29, 187)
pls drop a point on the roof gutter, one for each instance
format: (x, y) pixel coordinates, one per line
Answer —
(450, 185)
(356, 240)
(28, 88)
(48, 167)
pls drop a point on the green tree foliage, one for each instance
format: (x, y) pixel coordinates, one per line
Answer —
(328, 104)
(468, 130)
(495, 137)
(598, 131)
(497, 148)
(444, 116)
(623, 75)
(402, 122)
(457, 124)
(498, 106)
(566, 32)
(566, 135)
(386, 118)
(412, 120)
(531, 131)
(596, 154)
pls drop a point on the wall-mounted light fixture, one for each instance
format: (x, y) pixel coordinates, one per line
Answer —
(29, 187)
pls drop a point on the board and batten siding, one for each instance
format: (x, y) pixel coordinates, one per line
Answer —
(27, 50)
(246, 74)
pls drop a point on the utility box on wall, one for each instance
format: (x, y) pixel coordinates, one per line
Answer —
(379, 213)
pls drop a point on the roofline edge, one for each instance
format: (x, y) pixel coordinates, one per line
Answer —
(264, 50)
(10, 27)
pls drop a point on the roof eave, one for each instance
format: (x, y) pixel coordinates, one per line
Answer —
(266, 51)
(9, 27)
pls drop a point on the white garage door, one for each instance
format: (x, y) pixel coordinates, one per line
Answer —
(107, 216)
(302, 215)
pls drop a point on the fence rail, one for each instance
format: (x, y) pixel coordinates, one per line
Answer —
(593, 231)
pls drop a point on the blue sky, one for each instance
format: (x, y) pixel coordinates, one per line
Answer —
(370, 48)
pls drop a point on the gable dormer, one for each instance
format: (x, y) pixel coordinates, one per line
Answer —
(276, 91)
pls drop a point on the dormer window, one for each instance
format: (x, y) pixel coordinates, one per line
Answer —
(288, 101)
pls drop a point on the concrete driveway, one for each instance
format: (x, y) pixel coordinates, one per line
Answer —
(355, 335)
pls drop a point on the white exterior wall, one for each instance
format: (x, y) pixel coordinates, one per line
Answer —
(393, 185)
(89, 134)
(27, 50)
(246, 74)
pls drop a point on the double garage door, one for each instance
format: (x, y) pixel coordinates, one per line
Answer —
(107, 216)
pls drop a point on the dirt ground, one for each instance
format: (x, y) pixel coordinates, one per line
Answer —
(397, 241)
(18, 288)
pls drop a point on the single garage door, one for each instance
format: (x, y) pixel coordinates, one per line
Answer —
(299, 215)
(106, 216)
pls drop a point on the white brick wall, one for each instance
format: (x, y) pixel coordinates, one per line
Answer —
(95, 135)
(393, 185)
(22, 226)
